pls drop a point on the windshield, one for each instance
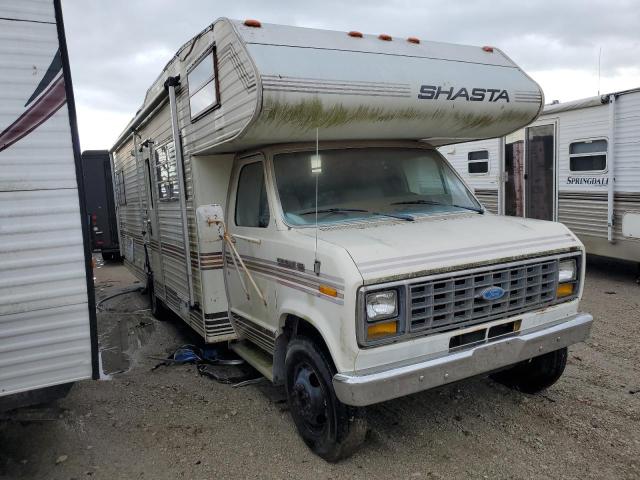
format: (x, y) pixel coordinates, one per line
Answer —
(361, 183)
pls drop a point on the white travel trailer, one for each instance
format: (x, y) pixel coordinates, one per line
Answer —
(578, 163)
(47, 317)
(273, 192)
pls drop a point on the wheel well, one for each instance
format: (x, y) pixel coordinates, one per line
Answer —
(295, 327)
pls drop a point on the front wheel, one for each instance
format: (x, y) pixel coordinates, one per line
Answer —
(331, 429)
(536, 374)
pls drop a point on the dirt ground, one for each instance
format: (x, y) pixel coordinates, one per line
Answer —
(169, 422)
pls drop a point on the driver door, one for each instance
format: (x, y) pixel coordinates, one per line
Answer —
(251, 226)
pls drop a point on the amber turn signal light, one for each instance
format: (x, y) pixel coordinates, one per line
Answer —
(564, 290)
(327, 290)
(382, 329)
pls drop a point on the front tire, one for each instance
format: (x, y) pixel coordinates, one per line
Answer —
(536, 374)
(331, 429)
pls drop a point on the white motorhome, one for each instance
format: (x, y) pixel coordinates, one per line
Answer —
(578, 163)
(280, 189)
(48, 336)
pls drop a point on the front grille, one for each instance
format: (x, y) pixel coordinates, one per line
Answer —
(456, 302)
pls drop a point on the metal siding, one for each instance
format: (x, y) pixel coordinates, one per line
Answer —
(273, 92)
(44, 317)
(237, 90)
(627, 147)
(457, 155)
(585, 213)
(28, 10)
(488, 198)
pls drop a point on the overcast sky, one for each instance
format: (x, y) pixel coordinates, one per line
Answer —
(117, 48)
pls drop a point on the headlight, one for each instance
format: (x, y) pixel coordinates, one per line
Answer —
(567, 274)
(567, 271)
(381, 305)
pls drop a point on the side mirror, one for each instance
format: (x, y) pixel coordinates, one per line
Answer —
(210, 224)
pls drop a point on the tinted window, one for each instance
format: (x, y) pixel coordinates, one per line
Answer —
(252, 207)
(478, 167)
(479, 155)
(588, 156)
(478, 161)
(584, 164)
(594, 146)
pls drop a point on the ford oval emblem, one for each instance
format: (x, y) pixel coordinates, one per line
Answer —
(492, 293)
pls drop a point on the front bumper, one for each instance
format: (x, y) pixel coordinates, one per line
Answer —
(392, 381)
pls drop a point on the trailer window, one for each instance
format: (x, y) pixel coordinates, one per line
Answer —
(478, 162)
(252, 207)
(166, 172)
(203, 91)
(588, 156)
(120, 193)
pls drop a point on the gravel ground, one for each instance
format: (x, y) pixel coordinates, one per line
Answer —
(169, 422)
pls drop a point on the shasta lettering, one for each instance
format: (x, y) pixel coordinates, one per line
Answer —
(435, 92)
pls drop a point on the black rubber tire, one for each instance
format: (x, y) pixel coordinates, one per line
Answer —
(341, 428)
(536, 374)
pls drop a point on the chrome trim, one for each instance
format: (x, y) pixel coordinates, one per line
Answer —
(384, 383)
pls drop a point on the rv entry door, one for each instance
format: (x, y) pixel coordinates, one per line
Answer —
(530, 172)
(151, 230)
(540, 172)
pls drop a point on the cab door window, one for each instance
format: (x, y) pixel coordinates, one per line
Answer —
(252, 206)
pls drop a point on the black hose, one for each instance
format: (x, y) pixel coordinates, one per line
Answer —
(137, 288)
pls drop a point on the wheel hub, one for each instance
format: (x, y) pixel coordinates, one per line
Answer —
(309, 398)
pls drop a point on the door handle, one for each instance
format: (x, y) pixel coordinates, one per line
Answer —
(257, 241)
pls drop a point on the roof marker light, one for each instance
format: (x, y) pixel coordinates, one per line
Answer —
(487, 49)
(385, 37)
(252, 23)
(413, 40)
(355, 34)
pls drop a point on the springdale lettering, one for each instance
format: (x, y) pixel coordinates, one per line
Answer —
(587, 181)
(436, 92)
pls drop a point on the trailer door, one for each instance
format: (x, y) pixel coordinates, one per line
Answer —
(514, 174)
(540, 172)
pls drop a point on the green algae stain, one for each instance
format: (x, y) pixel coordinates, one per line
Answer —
(307, 115)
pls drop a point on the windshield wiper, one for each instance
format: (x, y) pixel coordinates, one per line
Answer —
(400, 216)
(334, 210)
(431, 202)
(408, 218)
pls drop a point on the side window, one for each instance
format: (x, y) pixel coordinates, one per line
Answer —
(478, 162)
(166, 180)
(203, 89)
(252, 207)
(588, 156)
(424, 177)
